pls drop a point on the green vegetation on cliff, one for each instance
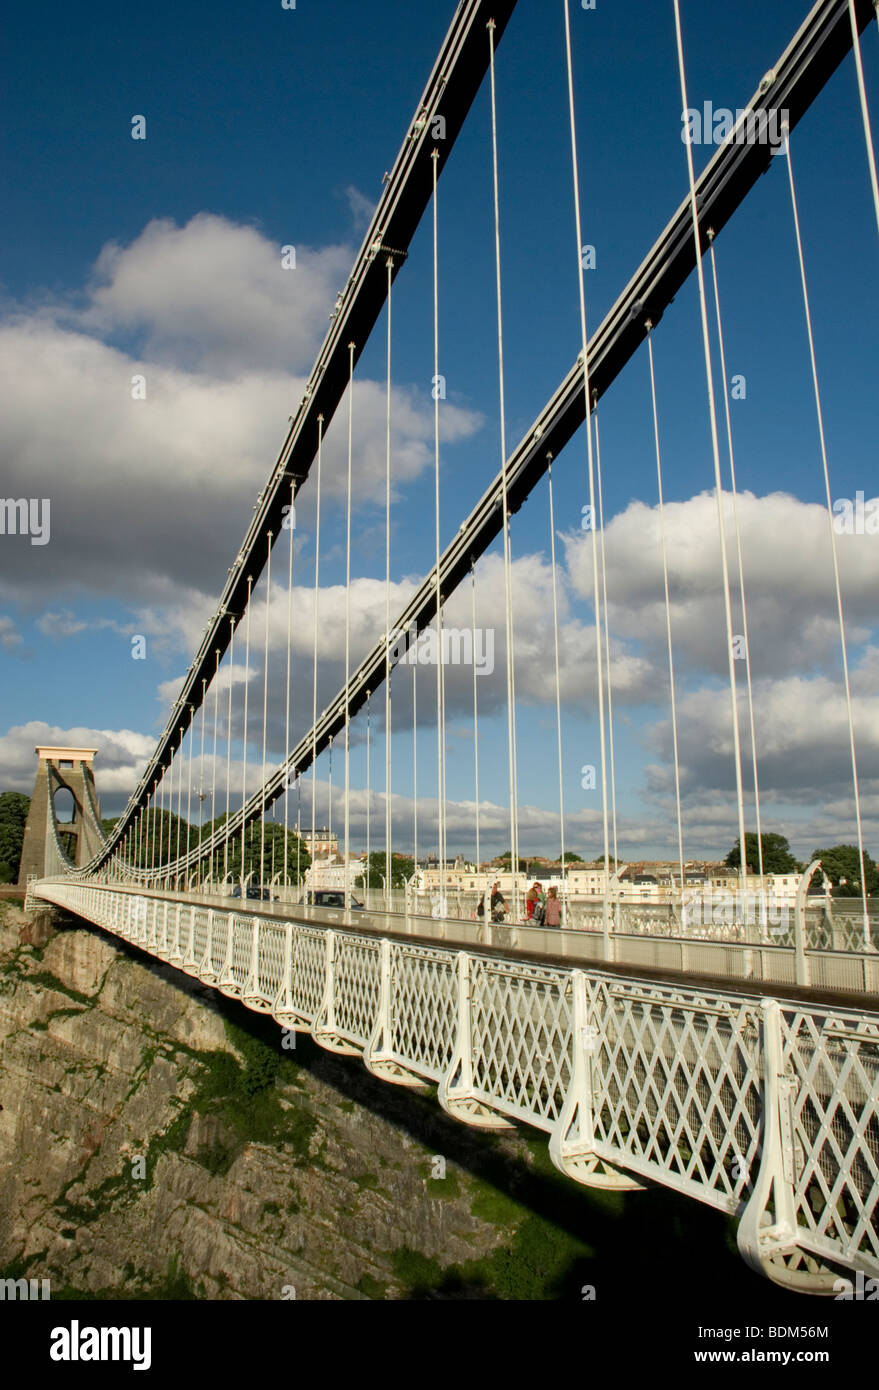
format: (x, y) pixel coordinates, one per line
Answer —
(13, 815)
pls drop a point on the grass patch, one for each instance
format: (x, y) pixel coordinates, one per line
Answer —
(18, 1268)
(367, 1182)
(217, 1157)
(63, 1013)
(49, 981)
(373, 1288)
(245, 1097)
(418, 1274)
(542, 1262)
(491, 1205)
(449, 1186)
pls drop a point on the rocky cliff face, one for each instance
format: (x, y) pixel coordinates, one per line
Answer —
(158, 1141)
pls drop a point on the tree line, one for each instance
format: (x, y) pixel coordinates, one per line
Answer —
(164, 836)
(167, 835)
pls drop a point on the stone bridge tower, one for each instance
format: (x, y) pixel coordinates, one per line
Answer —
(43, 851)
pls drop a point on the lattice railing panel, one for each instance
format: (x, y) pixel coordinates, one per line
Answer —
(520, 1038)
(221, 926)
(676, 1089)
(834, 1067)
(242, 949)
(358, 984)
(270, 960)
(157, 926)
(199, 936)
(424, 1008)
(309, 970)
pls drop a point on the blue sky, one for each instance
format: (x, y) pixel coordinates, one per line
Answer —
(268, 127)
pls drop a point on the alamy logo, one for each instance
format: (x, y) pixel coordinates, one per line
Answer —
(863, 1291)
(724, 908)
(460, 646)
(856, 516)
(713, 127)
(25, 516)
(75, 1343)
(25, 1289)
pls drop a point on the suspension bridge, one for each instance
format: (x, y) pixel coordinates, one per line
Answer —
(735, 1062)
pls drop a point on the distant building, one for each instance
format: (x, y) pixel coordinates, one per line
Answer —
(586, 880)
(325, 842)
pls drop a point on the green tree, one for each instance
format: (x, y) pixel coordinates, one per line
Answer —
(165, 835)
(777, 858)
(569, 857)
(270, 846)
(842, 866)
(13, 815)
(402, 870)
(151, 848)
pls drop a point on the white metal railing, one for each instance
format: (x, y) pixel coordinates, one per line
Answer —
(730, 954)
(764, 1109)
(836, 929)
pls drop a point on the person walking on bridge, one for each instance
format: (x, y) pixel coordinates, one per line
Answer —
(553, 909)
(534, 906)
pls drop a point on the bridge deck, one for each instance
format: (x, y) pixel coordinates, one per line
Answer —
(759, 969)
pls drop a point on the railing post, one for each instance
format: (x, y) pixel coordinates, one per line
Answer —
(324, 1029)
(455, 1093)
(459, 1077)
(379, 1041)
(206, 964)
(172, 949)
(377, 1055)
(575, 1122)
(572, 1140)
(282, 1009)
(802, 964)
(607, 943)
(225, 979)
(187, 956)
(328, 1003)
(251, 984)
(776, 1175)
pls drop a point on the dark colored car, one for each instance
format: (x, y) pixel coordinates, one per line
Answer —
(253, 891)
(331, 897)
